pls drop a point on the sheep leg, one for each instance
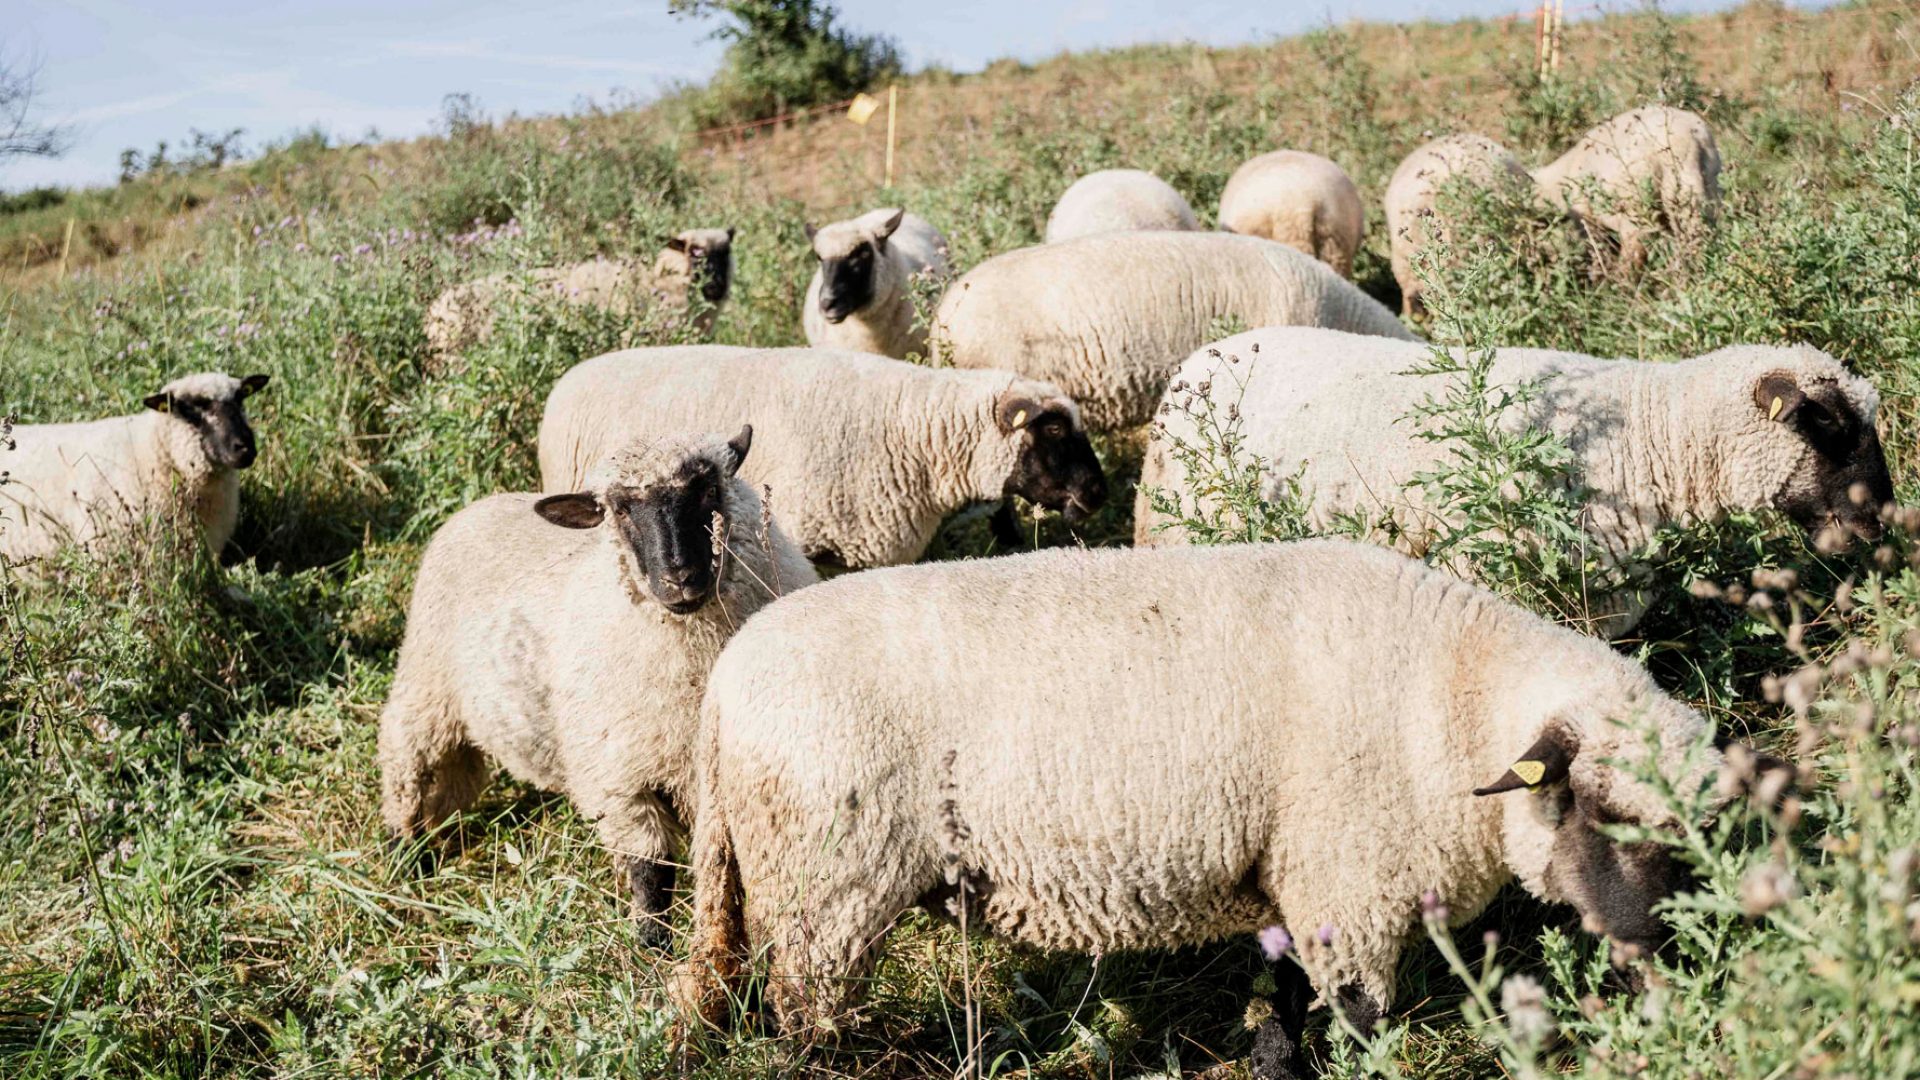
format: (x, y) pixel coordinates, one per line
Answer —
(1005, 529)
(1358, 1006)
(1277, 1043)
(428, 770)
(642, 831)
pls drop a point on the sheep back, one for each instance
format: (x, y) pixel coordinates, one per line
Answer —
(1299, 199)
(1118, 200)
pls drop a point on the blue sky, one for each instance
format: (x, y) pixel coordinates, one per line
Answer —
(129, 73)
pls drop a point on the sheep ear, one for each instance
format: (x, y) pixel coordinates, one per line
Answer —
(892, 223)
(578, 510)
(252, 385)
(1014, 412)
(678, 243)
(729, 234)
(156, 402)
(811, 229)
(1778, 396)
(739, 445)
(1545, 762)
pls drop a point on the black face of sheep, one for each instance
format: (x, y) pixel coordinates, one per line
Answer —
(1843, 479)
(221, 421)
(1057, 467)
(846, 282)
(668, 526)
(1613, 885)
(712, 266)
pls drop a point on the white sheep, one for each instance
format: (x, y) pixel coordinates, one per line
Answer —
(865, 455)
(861, 296)
(569, 638)
(463, 316)
(1119, 749)
(1749, 427)
(1301, 200)
(1107, 318)
(1414, 190)
(88, 482)
(1118, 200)
(1667, 153)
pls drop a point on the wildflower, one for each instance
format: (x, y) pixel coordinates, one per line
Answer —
(1259, 1010)
(363, 249)
(1766, 887)
(1525, 1002)
(1274, 942)
(257, 230)
(300, 247)
(1432, 908)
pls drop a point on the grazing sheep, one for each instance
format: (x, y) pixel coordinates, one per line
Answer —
(1749, 427)
(87, 482)
(1301, 200)
(1309, 734)
(1415, 187)
(463, 316)
(861, 296)
(569, 637)
(1107, 318)
(865, 455)
(1118, 200)
(1667, 152)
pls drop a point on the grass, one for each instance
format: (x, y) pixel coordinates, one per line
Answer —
(196, 883)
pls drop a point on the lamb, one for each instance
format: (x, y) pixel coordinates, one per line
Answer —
(1669, 152)
(463, 316)
(861, 296)
(1415, 188)
(1107, 318)
(569, 638)
(1118, 200)
(93, 482)
(865, 455)
(1301, 200)
(1749, 427)
(1310, 735)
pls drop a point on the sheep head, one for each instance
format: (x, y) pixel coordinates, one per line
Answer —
(213, 405)
(849, 253)
(661, 504)
(1054, 464)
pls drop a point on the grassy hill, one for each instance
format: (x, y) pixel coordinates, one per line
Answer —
(196, 882)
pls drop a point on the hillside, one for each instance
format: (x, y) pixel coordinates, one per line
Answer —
(196, 882)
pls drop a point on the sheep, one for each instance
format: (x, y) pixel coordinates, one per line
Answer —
(463, 316)
(1749, 427)
(865, 455)
(92, 482)
(861, 296)
(1107, 318)
(1413, 191)
(1118, 200)
(1301, 200)
(1670, 152)
(569, 637)
(1307, 735)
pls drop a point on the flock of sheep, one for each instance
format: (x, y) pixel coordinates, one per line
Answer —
(1078, 749)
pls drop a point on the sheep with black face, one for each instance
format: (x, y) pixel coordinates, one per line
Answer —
(180, 458)
(1744, 428)
(866, 455)
(1229, 738)
(690, 278)
(569, 637)
(861, 296)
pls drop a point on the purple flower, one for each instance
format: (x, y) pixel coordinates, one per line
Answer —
(1274, 942)
(363, 249)
(1325, 933)
(1432, 908)
(299, 247)
(337, 257)
(257, 230)
(284, 222)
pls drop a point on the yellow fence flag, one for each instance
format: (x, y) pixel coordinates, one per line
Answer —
(863, 108)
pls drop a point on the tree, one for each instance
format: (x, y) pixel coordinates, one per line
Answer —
(785, 54)
(20, 135)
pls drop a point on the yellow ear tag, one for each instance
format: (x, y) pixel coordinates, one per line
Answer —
(1773, 410)
(1530, 771)
(1020, 418)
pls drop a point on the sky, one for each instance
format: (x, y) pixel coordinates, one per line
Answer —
(123, 74)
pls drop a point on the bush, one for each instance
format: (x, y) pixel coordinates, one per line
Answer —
(783, 55)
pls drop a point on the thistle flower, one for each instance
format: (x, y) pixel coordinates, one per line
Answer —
(1432, 908)
(1275, 942)
(1524, 1002)
(1766, 887)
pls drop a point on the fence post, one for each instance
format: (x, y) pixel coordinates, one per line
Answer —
(893, 101)
(66, 246)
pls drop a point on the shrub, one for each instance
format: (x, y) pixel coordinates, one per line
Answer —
(782, 55)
